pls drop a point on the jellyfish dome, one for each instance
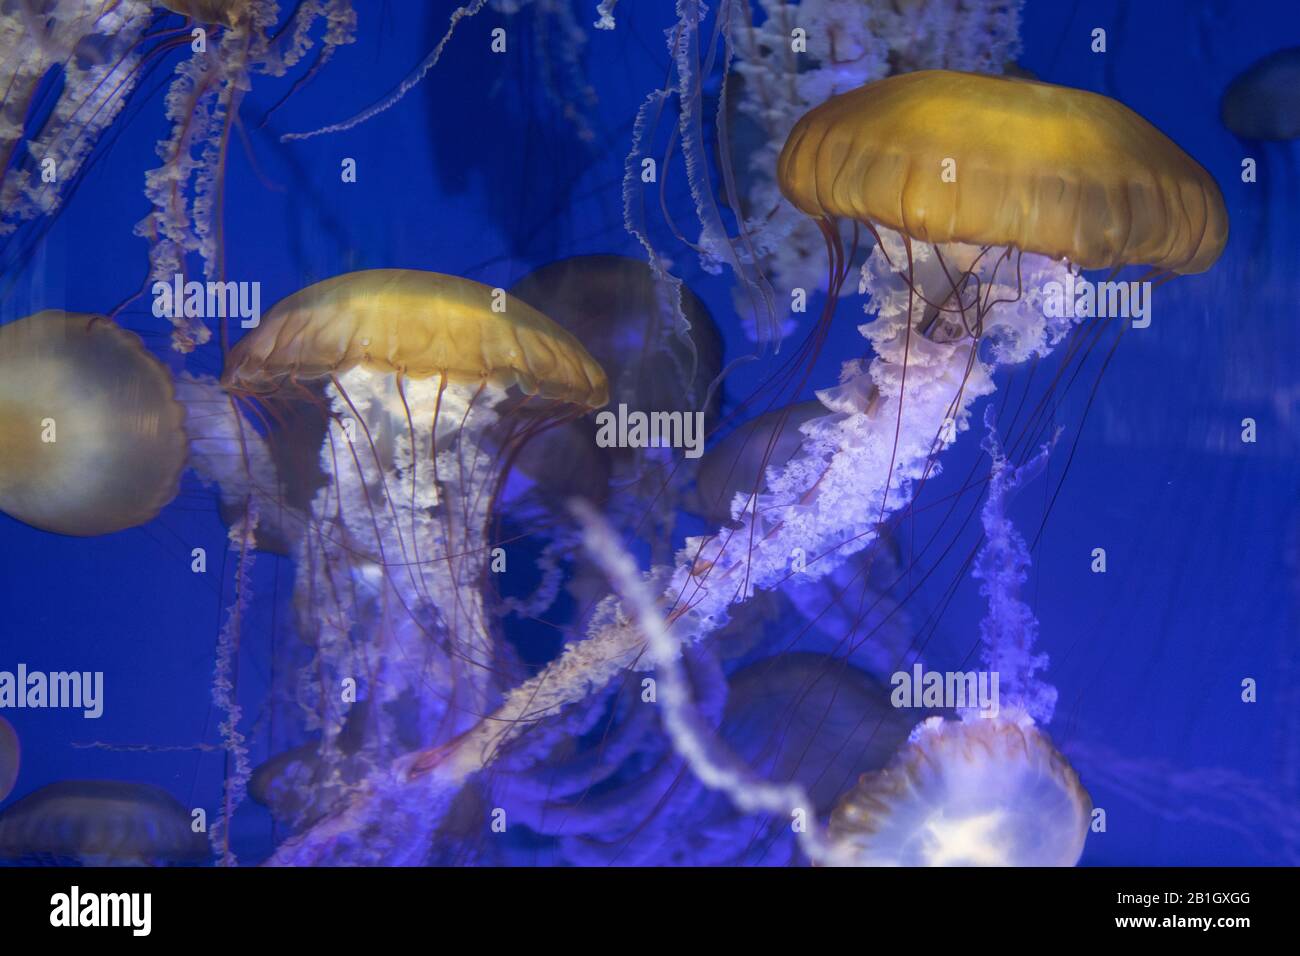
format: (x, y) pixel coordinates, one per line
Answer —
(1263, 102)
(976, 792)
(100, 822)
(91, 436)
(1041, 168)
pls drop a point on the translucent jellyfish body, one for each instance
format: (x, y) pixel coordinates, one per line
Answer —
(430, 383)
(91, 437)
(100, 822)
(1263, 102)
(980, 792)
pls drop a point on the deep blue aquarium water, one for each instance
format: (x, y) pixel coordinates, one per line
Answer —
(327, 593)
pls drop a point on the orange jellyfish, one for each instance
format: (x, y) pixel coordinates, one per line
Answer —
(431, 383)
(1007, 166)
(91, 436)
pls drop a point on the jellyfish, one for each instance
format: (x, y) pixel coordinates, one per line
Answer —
(100, 823)
(978, 792)
(10, 757)
(1262, 102)
(1262, 109)
(93, 439)
(606, 787)
(431, 384)
(956, 281)
(848, 44)
(627, 319)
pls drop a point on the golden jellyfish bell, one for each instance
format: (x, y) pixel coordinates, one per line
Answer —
(949, 157)
(419, 325)
(91, 436)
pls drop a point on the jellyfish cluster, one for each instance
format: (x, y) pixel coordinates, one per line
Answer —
(409, 458)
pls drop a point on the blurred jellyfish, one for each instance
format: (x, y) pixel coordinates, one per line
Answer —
(980, 792)
(735, 466)
(812, 717)
(615, 306)
(628, 321)
(100, 823)
(1261, 106)
(10, 757)
(431, 383)
(91, 437)
(1263, 101)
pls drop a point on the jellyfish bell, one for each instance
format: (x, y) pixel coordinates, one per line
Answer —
(100, 822)
(1263, 102)
(735, 466)
(1036, 167)
(812, 718)
(629, 321)
(975, 792)
(91, 436)
(10, 757)
(621, 313)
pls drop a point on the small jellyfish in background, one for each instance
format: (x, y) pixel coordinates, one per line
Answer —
(100, 823)
(988, 789)
(625, 317)
(735, 466)
(92, 439)
(1263, 101)
(431, 383)
(1261, 107)
(977, 792)
(631, 323)
(10, 757)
